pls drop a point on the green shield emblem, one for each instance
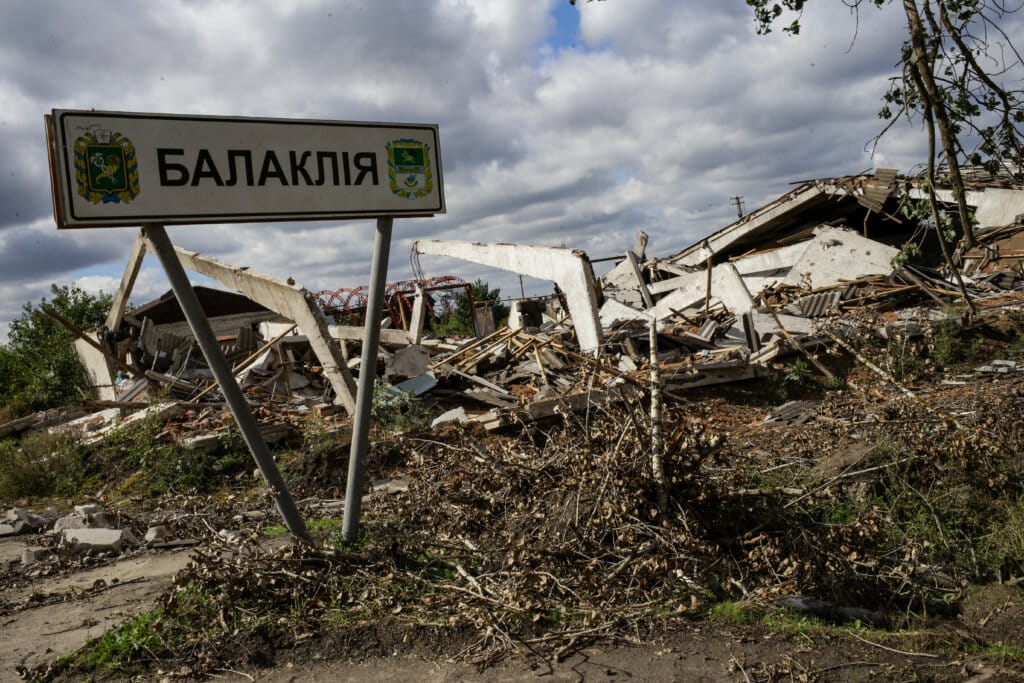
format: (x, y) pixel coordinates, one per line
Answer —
(409, 172)
(106, 164)
(106, 169)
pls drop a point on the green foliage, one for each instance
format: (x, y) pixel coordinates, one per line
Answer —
(798, 372)
(788, 382)
(460, 323)
(958, 77)
(168, 468)
(1004, 547)
(908, 252)
(40, 465)
(38, 366)
(141, 641)
(920, 210)
(394, 412)
(320, 438)
(835, 383)
(119, 648)
(948, 343)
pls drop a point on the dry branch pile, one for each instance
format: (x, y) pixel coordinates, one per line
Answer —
(549, 538)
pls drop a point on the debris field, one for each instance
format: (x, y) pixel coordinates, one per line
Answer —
(794, 414)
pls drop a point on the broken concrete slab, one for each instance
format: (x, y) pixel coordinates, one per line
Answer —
(155, 534)
(727, 286)
(765, 324)
(397, 484)
(388, 337)
(613, 311)
(411, 361)
(69, 522)
(24, 521)
(568, 268)
(158, 411)
(839, 254)
(89, 423)
(83, 541)
(454, 415)
(29, 556)
(417, 385)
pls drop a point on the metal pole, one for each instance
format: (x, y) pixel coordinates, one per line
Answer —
(367, 376)
(247, 425)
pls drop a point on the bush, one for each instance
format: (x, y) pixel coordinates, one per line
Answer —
(38, 366)
(395, 412)
(460, 323)
(167, 468)
(40, 465)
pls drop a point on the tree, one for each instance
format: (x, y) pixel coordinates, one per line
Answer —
(38, 366)
(461, 320)
(954, 66)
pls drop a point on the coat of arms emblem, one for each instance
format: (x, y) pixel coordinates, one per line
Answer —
(106, 169)
(410, 173)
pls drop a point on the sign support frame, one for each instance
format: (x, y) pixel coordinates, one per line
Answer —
(367, 378)
(160, 243)
(128, 169)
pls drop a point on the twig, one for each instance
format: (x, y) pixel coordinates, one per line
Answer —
(889, 378)
(797, 346)
(843, 475)
(891, 649)
(845, 665)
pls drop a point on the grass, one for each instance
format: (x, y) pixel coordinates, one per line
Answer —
(731, 613)
(1005, 654)
(41, 465)
(123, 646)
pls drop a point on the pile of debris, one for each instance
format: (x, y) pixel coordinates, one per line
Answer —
(530, 527)
(87, 531)
(786, 279)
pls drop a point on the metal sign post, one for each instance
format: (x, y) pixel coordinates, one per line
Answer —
(160, 243)
(367, 376)
(124, 169)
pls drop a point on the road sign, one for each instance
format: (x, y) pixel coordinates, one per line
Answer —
(123, 169)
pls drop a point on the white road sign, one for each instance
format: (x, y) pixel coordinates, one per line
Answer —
(124, 169)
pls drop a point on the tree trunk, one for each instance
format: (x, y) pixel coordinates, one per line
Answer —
(657, 446)
(922, 64)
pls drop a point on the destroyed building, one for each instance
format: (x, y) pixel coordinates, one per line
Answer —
(726, 307)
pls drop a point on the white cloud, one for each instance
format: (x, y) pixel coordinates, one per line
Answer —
(657, 116)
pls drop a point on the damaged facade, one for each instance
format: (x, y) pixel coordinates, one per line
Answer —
(725, 308)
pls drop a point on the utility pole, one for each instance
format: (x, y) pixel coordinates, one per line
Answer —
(739, 205)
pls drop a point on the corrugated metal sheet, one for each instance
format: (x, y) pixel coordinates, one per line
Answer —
(877, 190)
(817, 305)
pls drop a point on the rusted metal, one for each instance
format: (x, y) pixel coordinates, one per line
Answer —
(398, 298)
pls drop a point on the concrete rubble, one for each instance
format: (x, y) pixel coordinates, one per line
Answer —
(728, 308)
(87, 530)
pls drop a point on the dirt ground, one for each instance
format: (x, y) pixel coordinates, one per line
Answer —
(52, 616)
(703, 654)
(456, 484)
(55, 615)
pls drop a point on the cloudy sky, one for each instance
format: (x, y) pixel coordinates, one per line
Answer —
(559, 125)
